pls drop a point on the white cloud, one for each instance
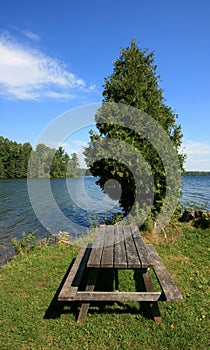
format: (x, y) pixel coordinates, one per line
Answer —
(194, 148)
(30, 35)
(198, 155)
(28, 74)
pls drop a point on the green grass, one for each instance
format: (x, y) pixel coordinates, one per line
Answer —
(31, 318)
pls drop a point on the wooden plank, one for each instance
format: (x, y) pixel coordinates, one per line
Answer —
(89, 288)
(118, 296)
(168, 286)
(141, 248)
(74, 277)
(120, 259)
(154, 305)
(97, 249)
(131, 252)
(107, 259)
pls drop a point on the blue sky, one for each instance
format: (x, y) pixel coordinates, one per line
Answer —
(54, 56)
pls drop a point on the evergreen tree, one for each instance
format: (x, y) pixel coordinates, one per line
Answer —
(13, 158)
(59, 164)
(134, 83)
(26, 152)
(20, 160)
(75, 164)
(40, 161)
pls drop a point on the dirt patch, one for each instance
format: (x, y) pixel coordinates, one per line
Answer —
(153, 237)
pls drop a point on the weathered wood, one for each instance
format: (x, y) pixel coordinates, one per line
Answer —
(97, 249)
(154, 305)
(118, 296)
(119, 246)
(141, 248)
(89, 288)
(107, 259)
(131, 252)
(168, 286)
(74, 277)
(120, 258)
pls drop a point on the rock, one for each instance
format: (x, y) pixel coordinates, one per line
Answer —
(188, 215)
(200, 218)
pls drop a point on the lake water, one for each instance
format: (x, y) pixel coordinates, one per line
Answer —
(76, 199)
(196, 189)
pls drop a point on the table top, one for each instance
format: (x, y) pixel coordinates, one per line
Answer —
(119, 246)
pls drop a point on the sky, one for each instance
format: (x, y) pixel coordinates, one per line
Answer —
(54, 56)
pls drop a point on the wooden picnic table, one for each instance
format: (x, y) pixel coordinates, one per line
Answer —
(118, 247)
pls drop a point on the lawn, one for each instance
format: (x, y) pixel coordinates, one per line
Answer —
(31, 317)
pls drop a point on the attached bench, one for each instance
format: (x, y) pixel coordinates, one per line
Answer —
(170, 290)
(73, 280)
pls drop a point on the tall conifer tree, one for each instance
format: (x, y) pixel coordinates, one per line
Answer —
(134, 82)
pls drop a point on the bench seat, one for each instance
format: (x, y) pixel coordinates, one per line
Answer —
(170, 290)
(72, 282)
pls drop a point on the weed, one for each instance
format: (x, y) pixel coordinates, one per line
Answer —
(29, 242)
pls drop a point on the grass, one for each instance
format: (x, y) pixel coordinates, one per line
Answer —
(31, 317)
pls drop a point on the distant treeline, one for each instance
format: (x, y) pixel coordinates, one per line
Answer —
(19, 160)
(197, 173)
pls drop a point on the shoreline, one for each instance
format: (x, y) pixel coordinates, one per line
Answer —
(196, 218)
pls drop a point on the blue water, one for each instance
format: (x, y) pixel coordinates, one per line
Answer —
(196, 191)
(76, 200)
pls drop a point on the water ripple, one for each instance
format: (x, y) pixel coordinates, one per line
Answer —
(17, 215)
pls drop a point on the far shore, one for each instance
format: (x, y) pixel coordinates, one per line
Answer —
(197, 173)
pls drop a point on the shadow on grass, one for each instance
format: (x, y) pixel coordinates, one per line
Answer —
(105, 282)
(145, 309)
(57, 308)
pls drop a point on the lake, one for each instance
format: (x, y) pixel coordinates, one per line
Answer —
(76, 201)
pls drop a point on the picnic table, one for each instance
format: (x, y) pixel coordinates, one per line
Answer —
(118, 247)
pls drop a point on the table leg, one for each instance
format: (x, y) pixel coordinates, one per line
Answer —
(116, 286)
(90, 287)
(154, 305)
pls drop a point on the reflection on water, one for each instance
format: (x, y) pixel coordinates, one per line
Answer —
(78, 200)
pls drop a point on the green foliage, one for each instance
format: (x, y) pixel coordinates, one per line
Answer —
(93, 222)
(41, 161)
(59, 165)
(44, 161)
(73, 166)
(47, 162)
(30, 242)
(137, 216)
(24, 245)
(14, 158)
(134, 83)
